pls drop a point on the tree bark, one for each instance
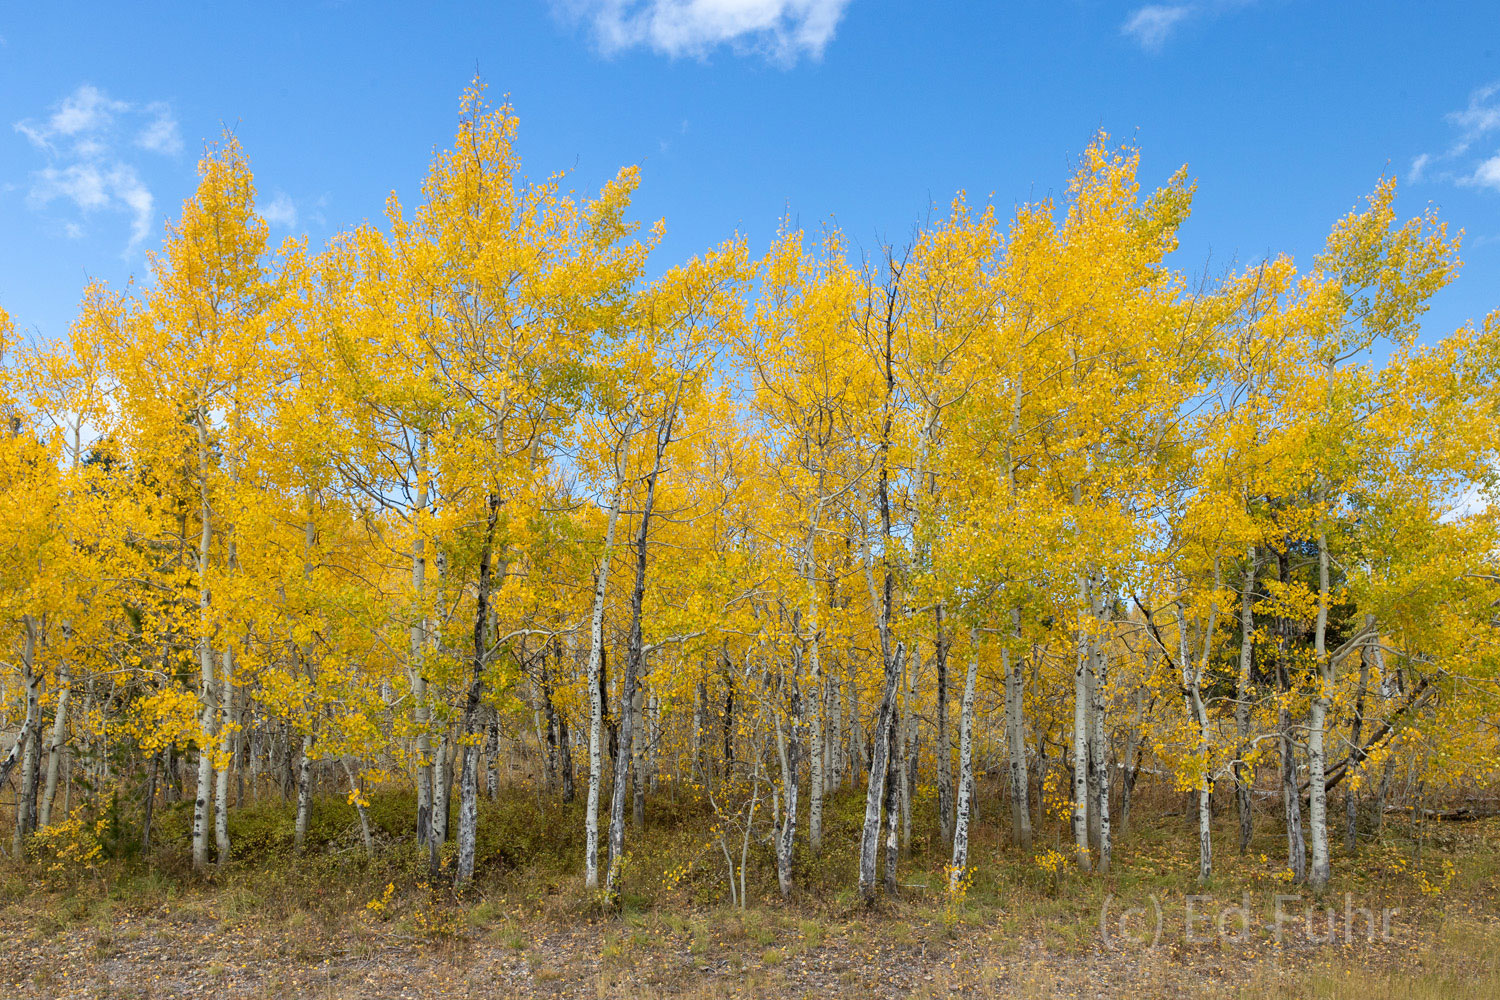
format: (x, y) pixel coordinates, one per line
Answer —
(207, 726)
(960, 865)
(304, 793)
(56, 743)
(1317, 718)
(596, 701)
(634, 660)
(1244, 776)
(786, 842)
(225, 736)
(1081, 673)
(28, 741)
(422, 711)
(468, 796)
(359, 807)
(1356, 730)
(944, 748)
(876, 789)
(1015, 741)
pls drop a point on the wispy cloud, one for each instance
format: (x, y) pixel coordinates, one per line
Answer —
(160, 135)
(280, 211)
(1487, 174)
(1151, 26)
(1477, 123)
(84, 138)
(780, 30)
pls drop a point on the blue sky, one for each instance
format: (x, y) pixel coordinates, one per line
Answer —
(739, 111)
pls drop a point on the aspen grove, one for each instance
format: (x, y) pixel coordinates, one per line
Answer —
(1017, 516)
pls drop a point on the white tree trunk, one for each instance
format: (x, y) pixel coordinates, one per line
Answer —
(879, 765)
(1099, 755)
(833, 740)
(417, 668)
(596, 702)
(812, 706)
(441, 774)
(207, 729)
(27, 742)
(56, 743)
(226, 735)
(944, 749)
(1081, 672)
(966, 766)
(304, 794)
(1243, 776)
(1317, 760)
(359, 807)
(1015, 741)
(791, 760)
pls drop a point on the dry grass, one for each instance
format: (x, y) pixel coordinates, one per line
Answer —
(336, 925)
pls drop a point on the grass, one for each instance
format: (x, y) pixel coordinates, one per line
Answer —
(1018, 930)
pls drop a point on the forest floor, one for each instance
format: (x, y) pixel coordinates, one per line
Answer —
(335, 925)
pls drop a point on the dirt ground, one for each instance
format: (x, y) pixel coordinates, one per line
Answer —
(187, 952)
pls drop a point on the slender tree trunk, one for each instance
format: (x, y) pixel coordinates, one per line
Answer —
(421, 711)
(359, 807)
(875, 793)
(813, 707)
(1291, 800)
(150, 803)
(634, 662)
(226, 736)
(442, 780)
(1197, 712)
(1317, 718)
(960, 865)
(1244, 776)
(833, 742)
(786, 842)
(728, 720)
(882, 769)
(304, 793)
(1099, 756)
(1291, 797)
(892, 803)
(1015, 743)
(944, 749)
(207, 727)
(904, 769)
(27, 741)
(549, 719)
(56, 744)
(468, 795)
(1081, 674)
(565, 741)
(1132, 761)
(638, 761)
(1356, 732)
(596, 701)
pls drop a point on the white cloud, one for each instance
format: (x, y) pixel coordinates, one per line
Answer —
(82, 138)
(91, 187)
(1480, 118)
(280, 211)
(161, 135)
(781, 30)
(1152, 25)
(1418, 167)
(82, 114)
(1475, 123)
(1487, 174)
